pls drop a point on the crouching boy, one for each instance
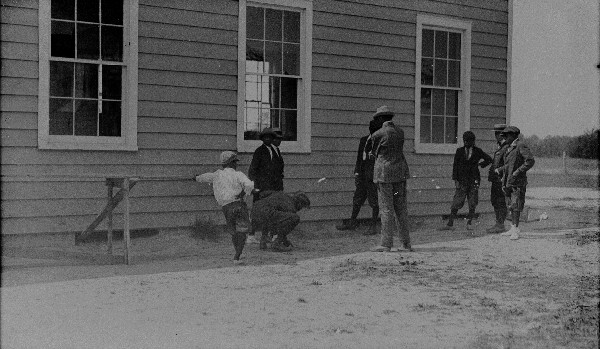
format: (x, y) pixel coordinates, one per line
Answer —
(276, 213)
(230, 187)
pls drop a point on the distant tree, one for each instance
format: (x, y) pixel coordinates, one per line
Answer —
(584, 146)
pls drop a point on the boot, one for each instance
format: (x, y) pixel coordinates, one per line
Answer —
(349, 224)
(372, 230)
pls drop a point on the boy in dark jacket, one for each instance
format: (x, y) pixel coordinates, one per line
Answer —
(465, 173)
(363, 181)
(518, 159)
(275, 213)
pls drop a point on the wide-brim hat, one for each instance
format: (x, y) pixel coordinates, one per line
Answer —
(499, 127)
(267, 132)
(228, 156)
(384, 110)
(511, 129)
(278, 132)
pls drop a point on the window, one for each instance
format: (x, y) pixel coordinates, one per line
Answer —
(442, 86)
(88, 75)
(274, 72)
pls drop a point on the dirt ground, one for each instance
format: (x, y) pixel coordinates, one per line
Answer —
(460, 289)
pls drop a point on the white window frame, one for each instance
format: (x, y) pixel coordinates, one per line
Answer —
(128, 139)
(464, 107)
(303, 142)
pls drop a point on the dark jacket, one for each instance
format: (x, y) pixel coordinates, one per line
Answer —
(466, 171)
(390, 164)
(498, 162)
(266, 172)
(364, 163)
(518, 159)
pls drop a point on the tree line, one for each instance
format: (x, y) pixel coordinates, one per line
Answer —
(584, 146)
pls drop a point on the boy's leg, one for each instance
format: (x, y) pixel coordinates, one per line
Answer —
(229, 211)
(473, 200)
(401, 213)
(458, 202)
(373, 202)
(282, 224)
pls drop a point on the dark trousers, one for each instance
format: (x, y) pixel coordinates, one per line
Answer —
(470, 192)
(498, 202)
(365, 190)
(237, 224)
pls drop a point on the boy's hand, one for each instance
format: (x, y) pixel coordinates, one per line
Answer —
(456, 184)
(255, 191)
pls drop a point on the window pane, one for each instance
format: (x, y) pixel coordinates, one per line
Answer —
(88, 41)
(61, 116)
(255, 22)
(454, 73)
(254, 57)
(62, 39)
(251, 123)
(438, 102)
(440, 74)
(86, 80)
(273, 57)
(274, 92)
(111, 82)
(273, 25)
(454, 46)
(110, 119)
(437, 129)
(253, 88)
(451, 103)
(63, 9)
(88, 11)
(112, 12)
(291, 59)
(291, 26)
(451, 129)
(441, 44)
(275, 118)
(289, 93)
(289, 125)
(112, 43)
(427, 71)
(427, 43)
(425, 129)
(86, 118)
(425, 101)
(61, 79)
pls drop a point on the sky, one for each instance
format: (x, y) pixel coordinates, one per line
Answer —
(555, 81)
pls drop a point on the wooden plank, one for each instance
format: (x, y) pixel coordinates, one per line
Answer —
(164, 14)
(365, 11)
(19, 51)
(184, 126)
(188, 64)
(186, 79)
(199, 35)
(187, 141)
(19, 69)
(362, 77)
(11, 14)
(18, 120)
(363, 64)
(19, 86)
(367, 105)
(348, 49)
(186, 95)
(18, 138)
(484, 74)
(489, 51)
(362, 91)
(176, 110)
(376, 25)
(211, 6)
(488, 87)
(19, 33)
(186, 48)
(488, 99)
(109, 221)
(363, 37)
(31, 4)
(126, 236)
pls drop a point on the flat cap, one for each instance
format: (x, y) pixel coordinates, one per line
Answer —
(499, 127)
(511, 129)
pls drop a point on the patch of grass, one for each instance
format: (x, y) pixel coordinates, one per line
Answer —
(204, 229)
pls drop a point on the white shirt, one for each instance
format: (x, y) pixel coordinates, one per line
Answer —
(227, 184)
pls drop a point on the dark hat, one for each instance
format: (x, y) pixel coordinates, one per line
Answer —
(302, 199)
(384, 110)
(277, 131)
(267, 132)
(499, 127)
(511, 129)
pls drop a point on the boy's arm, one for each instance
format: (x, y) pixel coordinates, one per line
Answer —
(529, 161)
(456, 164)
(254, 165)
(205, 177)
(486, 158)
(246, 182)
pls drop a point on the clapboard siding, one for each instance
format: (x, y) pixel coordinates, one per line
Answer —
(363, 56)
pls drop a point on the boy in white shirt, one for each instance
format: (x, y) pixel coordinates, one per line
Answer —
(229, 187)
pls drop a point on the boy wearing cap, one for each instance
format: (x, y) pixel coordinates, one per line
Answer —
(229, 188)
(276, 212)
(266, 167)
(465, 173)
(518, 159)
(497, 195)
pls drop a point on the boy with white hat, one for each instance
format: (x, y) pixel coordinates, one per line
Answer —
(229, 187)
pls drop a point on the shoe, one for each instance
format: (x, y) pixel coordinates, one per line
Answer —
(238, 262)
(371, 231)
(408, 248)
(497, 228)
(446, 227)
(251, 239)
(349, 224)
(515, 234)
(380, 249)
(278, 246)
(509, 231)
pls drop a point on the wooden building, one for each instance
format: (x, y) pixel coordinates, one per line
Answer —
(159, 88)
